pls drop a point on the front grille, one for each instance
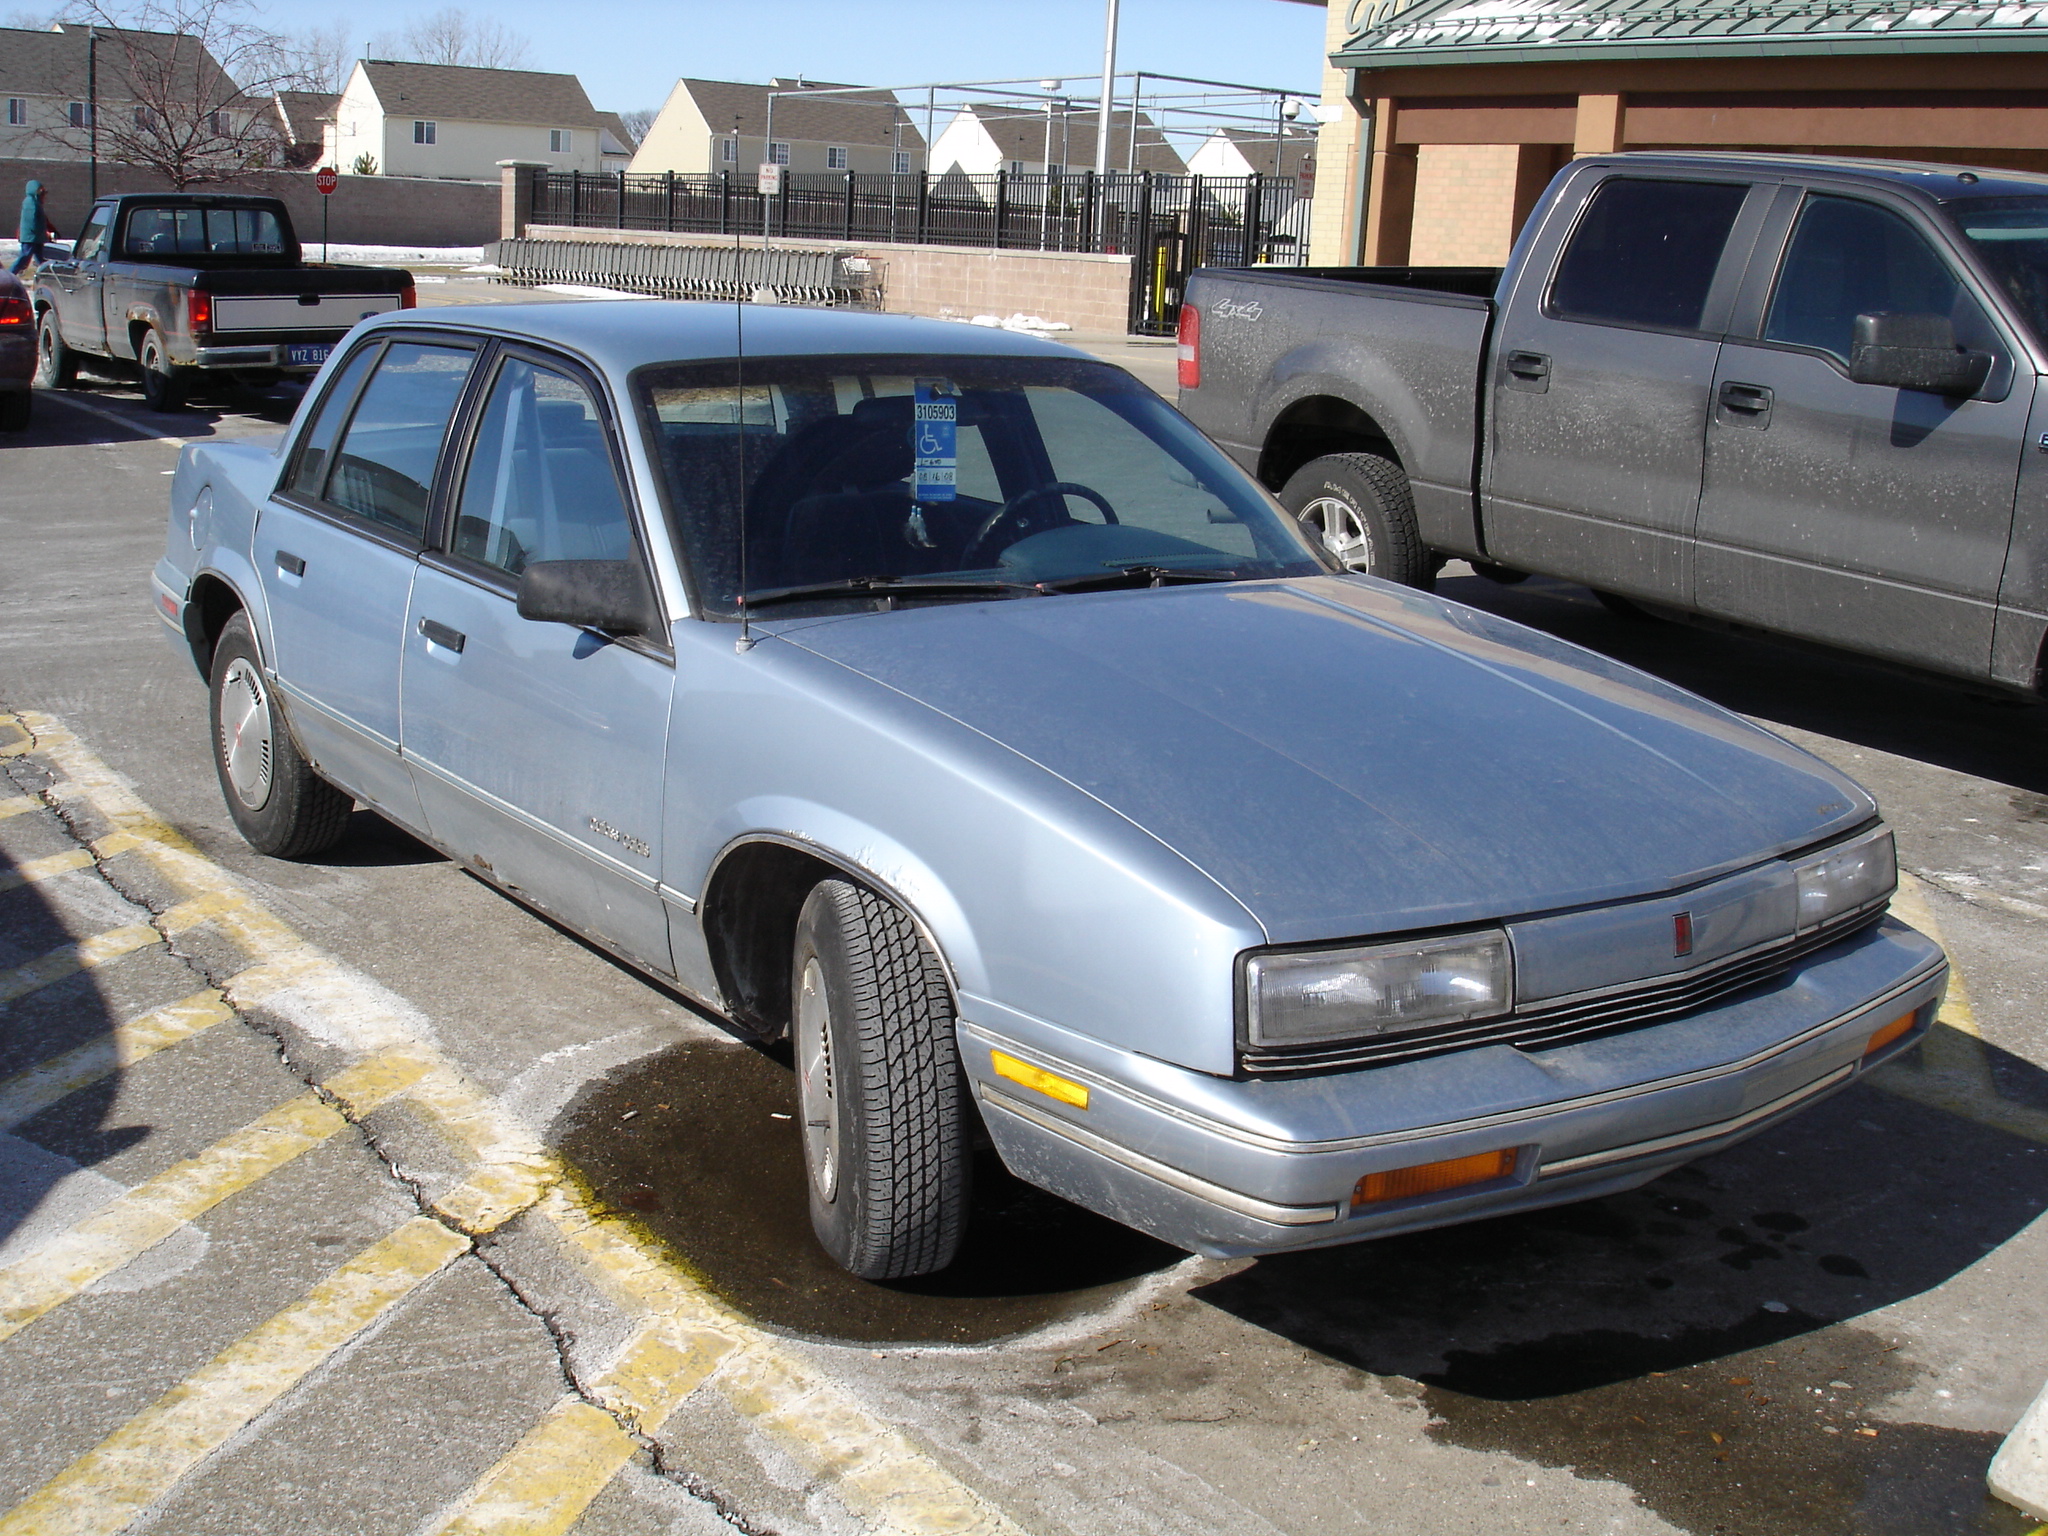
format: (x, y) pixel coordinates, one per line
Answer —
(1535, 1026)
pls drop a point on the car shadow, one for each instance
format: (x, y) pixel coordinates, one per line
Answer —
(1908, 714)
(371, 842)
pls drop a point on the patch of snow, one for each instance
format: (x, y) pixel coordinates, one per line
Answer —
(392, 255)
(585, 291)
(1029, 324)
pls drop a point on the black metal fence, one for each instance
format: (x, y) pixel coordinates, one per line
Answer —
(1168, 224)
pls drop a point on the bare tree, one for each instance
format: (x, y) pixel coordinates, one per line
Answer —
(315, 59)
(453, 36)
(31, 21)
(182, 88)
(638, 121)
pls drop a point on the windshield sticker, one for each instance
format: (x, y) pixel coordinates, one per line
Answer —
(934, 439)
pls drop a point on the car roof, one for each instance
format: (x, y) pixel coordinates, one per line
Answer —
(620, 335)
(1942, 182)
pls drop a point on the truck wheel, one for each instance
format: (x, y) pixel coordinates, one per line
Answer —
(880, 1094)
(1360, 507)
(163, 382)
(56, 364)
(16, 407)
(279, 804)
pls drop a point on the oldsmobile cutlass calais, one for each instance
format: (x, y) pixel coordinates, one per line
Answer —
(942, 700)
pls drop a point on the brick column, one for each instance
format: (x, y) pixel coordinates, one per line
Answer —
(1390, 191)
(515, 198)
(1602, 125)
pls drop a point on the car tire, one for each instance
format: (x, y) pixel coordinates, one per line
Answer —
(164, 383)
(279, 804)
(56, 364)
(881, 1100)
(17, 407)
(1359, 506)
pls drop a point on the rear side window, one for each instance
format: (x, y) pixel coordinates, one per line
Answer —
(309, 474)
(1645, 253)
(384, 464)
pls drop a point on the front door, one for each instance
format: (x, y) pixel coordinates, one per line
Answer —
(538, 748)
(1863, 516)
(336, 547)
(81, 316)
(1599, 394)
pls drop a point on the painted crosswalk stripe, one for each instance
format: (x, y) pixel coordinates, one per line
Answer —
(18, 805)
(36, 1089)
(70, 959)
(108, 1487)
(147, 1214)
(31, 871)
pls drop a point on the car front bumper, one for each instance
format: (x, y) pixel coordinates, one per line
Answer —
(1227, 1167)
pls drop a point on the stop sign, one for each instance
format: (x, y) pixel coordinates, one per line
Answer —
(326, 179)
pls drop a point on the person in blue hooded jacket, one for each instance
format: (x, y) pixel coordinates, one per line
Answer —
(36, 228)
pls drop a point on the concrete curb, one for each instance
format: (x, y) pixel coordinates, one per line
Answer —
(2019, 1472)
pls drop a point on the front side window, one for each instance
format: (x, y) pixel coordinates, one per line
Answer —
(422, 132)
(384, 464)
(540, 484)
(93, 236)
(188, 231)
(1645, 253)
(1850, 258)
(1021, 475)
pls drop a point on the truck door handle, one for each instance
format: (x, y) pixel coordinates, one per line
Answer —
(1753, 398)
(442, 635)
(290, 564)
(1528, 371)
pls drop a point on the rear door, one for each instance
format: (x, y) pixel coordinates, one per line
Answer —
(539, 748)
(1601, 378)
(336, 546)
(1863, 516)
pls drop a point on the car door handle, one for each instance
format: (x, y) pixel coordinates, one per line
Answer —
(290, 564)
(1529, 365)
(1752, 398)
(442, 635)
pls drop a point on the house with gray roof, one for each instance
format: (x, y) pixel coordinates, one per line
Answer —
(302, 119)
(729, 125)
(45, 99)
(1024, 138)
(453, 122)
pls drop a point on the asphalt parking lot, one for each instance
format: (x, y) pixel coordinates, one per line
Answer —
(530, 1183)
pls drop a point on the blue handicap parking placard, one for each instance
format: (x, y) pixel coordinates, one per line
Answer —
(934, 439)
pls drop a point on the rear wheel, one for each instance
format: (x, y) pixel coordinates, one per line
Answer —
(1360, 507)
(279, 804)
(880, 1094)
(164, 383)
(56, 364)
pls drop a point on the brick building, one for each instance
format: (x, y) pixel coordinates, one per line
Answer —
(1444, 119)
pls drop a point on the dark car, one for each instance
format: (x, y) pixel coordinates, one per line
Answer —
(17, 354)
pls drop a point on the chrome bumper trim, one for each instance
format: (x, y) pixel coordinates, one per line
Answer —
(1186, 1183)
(1680, 1140)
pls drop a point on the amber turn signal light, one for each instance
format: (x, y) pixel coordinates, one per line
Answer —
(1890, 1032)
(1433, 1178)
(1051, 1084)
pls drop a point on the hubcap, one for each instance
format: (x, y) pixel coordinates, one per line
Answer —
(815, 1095)
(1342, 531)
(245, 744)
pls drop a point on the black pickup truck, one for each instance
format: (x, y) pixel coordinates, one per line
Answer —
(178, 287)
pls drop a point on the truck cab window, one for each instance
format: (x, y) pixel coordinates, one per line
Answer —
(1851, 258)
(92, 237)
(1645, 253)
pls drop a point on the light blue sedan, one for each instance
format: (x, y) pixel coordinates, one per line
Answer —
(942, 700)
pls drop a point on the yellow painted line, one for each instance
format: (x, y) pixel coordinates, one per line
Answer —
(70, 959)
(45, 868)
(18, 805)
(106, 1489)
(19, 742)
(892, 1484)
(35, 1090)
(147, 1214)
(542, 1486)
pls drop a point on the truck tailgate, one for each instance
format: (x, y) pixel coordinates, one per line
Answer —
(295, 312)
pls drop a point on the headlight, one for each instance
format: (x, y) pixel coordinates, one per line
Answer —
(1376, 989)
(1845, 877)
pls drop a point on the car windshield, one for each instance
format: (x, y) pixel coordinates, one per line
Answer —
(189, 231)
(927, 479)
(2010, 236)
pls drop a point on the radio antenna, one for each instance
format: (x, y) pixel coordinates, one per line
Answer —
(745, 642)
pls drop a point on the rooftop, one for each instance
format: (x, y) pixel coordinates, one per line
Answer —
(841, 117)
(462, 93)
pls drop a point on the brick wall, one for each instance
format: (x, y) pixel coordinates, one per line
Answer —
(1464, 205)
(1089, 293)
(367, 210)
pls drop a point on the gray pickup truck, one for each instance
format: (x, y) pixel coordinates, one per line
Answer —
(179, 287)
(1792, 393)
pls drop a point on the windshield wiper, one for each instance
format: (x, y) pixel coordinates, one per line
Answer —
(884, 587)
(1138, 573)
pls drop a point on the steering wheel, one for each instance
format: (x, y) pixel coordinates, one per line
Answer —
(1050, 488)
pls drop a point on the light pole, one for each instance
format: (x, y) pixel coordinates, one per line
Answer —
(1045, 163)
(92, 110)
(1108, 89)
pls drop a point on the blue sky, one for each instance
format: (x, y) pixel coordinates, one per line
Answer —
(629, 52)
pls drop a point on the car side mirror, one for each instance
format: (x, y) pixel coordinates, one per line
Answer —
(608, 595)
(1915, 352)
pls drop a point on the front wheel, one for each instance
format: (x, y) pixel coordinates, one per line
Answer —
(164, 383)
(1359, 506)
(880, 1094)
(279, 804)
(56, 364)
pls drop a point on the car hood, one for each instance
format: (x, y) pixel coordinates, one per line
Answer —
(1348, 757)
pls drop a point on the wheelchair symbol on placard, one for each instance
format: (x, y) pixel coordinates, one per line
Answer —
(929, 444)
